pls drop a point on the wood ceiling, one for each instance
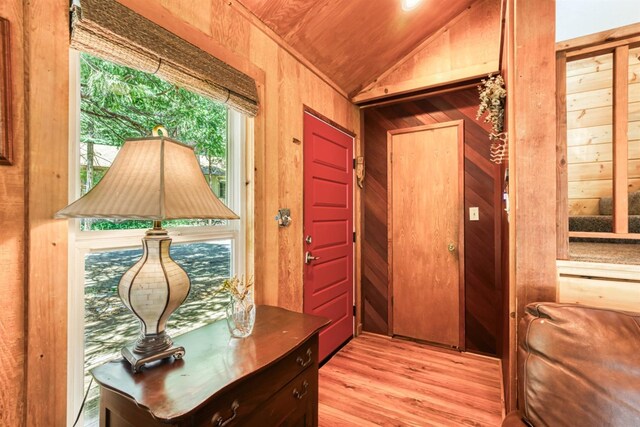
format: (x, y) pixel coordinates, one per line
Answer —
(353, 41)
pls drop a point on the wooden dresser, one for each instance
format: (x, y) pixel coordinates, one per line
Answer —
(267, 379)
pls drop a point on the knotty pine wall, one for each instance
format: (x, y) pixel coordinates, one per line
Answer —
(483, 284)
(589, 130)
(33, 255)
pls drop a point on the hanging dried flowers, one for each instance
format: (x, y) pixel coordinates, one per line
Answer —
(492, 101)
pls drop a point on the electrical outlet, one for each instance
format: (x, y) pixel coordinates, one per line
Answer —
(474, 214)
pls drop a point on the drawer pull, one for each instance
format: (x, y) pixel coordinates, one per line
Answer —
(217, 419)
(300, 394)
(305, 363)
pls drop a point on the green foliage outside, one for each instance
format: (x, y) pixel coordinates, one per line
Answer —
(117, 103)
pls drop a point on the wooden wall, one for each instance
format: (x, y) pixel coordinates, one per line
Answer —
(482, 239)
(33, 255)
(12, 237)
(614, 286)
(467, 47)
(227, 30)
(589, 117)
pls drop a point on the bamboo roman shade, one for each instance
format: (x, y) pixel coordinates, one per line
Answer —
(111, 31)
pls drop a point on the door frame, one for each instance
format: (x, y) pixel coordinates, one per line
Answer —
(357, 223)
(461, 285)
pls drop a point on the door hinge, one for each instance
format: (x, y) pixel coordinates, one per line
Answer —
(354, 237)
(354, 163)
(354, 310)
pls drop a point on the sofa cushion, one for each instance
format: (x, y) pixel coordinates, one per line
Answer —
(580, 366)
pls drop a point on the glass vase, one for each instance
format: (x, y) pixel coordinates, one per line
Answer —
(241, 316)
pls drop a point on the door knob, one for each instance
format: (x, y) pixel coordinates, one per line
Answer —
(308, 257)
(451, 247)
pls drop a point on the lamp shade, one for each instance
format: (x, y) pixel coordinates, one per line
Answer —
(153, 178)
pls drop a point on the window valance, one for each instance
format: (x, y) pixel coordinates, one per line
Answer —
(109, 30)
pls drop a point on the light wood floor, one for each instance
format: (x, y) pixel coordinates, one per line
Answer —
(378, 381)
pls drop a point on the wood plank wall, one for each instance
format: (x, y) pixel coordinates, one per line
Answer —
(467, 47)
(33, 254)
(228, 31)
(47, 192)
(482, 239)
(12, 236)
(589, 101)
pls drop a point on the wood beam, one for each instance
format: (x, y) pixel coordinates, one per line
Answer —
(47, 106)
(601, 48)
(562, 183)
(531, 118)
(603, 235)
(599, 38)
(429, 82)
(620, 139)
(533, 185)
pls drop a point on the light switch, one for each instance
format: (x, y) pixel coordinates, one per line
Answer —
(474, 214)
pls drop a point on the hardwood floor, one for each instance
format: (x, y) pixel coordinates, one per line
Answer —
(379, 381)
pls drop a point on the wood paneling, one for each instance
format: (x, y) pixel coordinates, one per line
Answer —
(599, 135)
(482, 189)
(377, 380)
(601, 109)
(583, 79)
(467, 47)
(47, 140)
(352, 42)
(12, 236)
(285, 86)
(40, 98)
(599, 285)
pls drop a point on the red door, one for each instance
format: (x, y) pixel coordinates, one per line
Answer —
(328, 230)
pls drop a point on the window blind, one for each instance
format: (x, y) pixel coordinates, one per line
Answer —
(109, 30)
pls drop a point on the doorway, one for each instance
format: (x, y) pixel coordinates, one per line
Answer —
(426, 232)
(328, 230)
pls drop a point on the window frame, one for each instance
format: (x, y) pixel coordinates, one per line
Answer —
(82, 243)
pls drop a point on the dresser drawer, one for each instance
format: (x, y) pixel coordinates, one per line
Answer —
(293, 405)
(235, 406)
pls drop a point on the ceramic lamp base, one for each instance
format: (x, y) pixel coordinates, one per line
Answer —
(153, 288)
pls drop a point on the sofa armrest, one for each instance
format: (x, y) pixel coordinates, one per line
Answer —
(513, 419)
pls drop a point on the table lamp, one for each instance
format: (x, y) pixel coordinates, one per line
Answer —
(153, 178)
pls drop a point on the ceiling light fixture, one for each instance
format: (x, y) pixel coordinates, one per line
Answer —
(408, 5)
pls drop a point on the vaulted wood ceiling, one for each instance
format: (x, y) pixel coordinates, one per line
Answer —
(354, 41)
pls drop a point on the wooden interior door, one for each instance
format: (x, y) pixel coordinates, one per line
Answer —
(328, 230)
(426, 222)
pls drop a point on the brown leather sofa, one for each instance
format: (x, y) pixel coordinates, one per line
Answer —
(578, 366)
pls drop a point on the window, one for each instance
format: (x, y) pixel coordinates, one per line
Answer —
(113, 103)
